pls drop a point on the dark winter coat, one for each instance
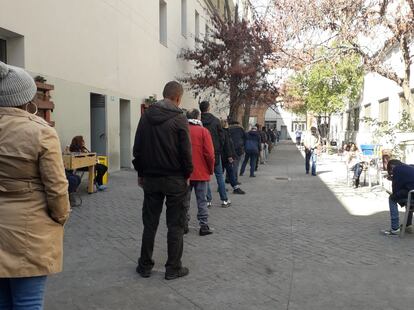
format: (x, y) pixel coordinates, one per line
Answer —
(162, 142)
(228, 148)
(402, 181)
(252, 145)
(238, 136)
(213, 125)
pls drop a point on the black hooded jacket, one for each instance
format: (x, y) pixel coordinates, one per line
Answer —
(162, 142)
(213, 125)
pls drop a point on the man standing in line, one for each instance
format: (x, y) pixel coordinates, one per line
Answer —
(203, 161)
(238, 136)
(213, 125)
(162, 157)
(311, 143)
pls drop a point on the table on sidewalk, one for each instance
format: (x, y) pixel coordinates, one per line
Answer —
(75, 161)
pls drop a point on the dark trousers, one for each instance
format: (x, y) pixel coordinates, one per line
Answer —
(357, 168)
(174, 190)
(231, 174)
(100, 172)
(253, 159)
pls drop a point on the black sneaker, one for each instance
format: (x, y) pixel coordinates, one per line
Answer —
(252, 176)
(205, 230)
(145, 273)
(182, 272)
(239, 191)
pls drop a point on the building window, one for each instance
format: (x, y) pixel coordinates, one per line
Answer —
(184, 18)
(348, 121)
(356, 119)
(3, 51)
(383, 110)
(367, 110)
(197, 26)
(163, 23)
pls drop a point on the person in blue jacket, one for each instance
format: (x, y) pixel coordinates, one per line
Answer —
(252, 150)
(402, 177)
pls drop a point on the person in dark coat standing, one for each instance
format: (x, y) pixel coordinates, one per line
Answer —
(238, 136)
(252, 149)
(162, 157)
(228, 157)
(213, 125)
(203, 162)
(402, 177)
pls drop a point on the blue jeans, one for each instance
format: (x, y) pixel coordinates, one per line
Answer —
(253, 158)
(200, 189)
(218, 171)
(310, 155)
(22, 293)
(357, 168)
(395, 216)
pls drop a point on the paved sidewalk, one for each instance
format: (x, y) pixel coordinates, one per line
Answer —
(286, 244)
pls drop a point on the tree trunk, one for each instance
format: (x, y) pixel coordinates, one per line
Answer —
(246, 115)
(234, 100)
(407, 72)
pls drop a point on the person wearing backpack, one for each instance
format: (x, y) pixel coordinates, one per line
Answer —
(252, 149)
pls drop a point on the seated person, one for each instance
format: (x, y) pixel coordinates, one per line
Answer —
(354, 161)
(73, 181)
(78, 146)
(402, 177)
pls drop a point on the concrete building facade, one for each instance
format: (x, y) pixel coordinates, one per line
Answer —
(104, 57)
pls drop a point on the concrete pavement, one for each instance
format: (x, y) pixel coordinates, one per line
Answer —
(292, 242)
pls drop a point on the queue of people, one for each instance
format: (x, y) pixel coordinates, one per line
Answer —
(176, 154)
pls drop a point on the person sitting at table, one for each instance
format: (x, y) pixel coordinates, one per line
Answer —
(354, 161)
(78, 146)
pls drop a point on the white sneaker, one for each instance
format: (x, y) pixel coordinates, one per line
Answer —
(391, 232)
(208, 204)
(226, 203)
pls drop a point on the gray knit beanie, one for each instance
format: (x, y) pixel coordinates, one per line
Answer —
(17, 87)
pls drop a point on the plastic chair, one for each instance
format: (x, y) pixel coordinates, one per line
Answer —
(409, 207)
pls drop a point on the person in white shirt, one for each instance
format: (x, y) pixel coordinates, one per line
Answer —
(355, 162)
(311, 143)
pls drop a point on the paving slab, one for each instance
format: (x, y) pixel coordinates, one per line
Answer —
(294, 241)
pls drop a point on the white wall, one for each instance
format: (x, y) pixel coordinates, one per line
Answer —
(109, 47)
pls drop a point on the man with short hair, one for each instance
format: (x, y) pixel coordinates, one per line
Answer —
(162, 157)
(238, 136)
(402, 177)
(311, 143)
(213, 125)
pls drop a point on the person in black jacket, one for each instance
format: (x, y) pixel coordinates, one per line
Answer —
(213, 125)
(238, 136)
(162, 157)
(252, 149)
(402, 177)
(228, 157)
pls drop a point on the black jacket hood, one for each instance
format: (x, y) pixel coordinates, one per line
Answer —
(162, 111)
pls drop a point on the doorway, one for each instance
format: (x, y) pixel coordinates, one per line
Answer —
(125, 132)
(283, 133)
(99, 140)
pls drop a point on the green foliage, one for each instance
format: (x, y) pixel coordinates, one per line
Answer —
(386, 132)
(326, 86)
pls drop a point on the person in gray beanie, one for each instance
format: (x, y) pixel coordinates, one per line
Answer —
(34, 201)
